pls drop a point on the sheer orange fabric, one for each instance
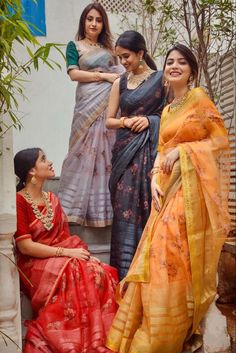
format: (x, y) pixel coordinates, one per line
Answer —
(171, 281)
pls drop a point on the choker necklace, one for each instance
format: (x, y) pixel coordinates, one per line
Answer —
(133, 81)
(92, 44)
(47, 218)
(178, 102)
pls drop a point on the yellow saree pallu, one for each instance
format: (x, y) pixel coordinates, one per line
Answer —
(171, 281)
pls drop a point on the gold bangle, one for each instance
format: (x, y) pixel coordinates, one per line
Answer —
(59, 251)
(122, 122)
(97, 76)
(155, 170)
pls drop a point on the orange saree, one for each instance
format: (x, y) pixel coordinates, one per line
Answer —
(171, 281)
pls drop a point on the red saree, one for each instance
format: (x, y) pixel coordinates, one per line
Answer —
(73, 300)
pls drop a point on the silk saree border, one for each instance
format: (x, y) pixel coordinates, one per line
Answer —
(198, 232)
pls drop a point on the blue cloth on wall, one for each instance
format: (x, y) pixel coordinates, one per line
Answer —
(34, 13)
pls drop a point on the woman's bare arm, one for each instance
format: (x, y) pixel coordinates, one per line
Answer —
(34, 249)
(112, 122)
(88, 76)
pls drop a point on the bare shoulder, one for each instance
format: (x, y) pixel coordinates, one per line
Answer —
(116, 86)
(116, 83)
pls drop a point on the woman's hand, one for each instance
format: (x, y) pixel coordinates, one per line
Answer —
(80, 253)
(110, 77)
(93, 258)
(137, 123)
(156, 193)
(170, 158)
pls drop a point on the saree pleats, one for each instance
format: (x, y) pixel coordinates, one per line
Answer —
(172, 279)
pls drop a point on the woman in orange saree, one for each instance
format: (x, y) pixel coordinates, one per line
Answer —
(172, 279)
(72, 294)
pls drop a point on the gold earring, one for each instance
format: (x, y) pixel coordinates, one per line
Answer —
(33, 180)
(190, 80)
(166, 83)
(141, 62)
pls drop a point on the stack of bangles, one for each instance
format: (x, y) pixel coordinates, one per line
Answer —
(122, 122)
(59, 251)
(155, 170)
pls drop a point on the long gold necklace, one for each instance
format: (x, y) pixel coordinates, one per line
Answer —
(178, 102)
(133, 81)
(47, 218)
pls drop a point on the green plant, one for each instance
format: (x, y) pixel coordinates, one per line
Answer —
(15, 33)
(151, 19)
(207, 27)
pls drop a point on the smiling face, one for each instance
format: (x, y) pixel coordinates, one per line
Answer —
(177, 69)
(129, 59)
(43, 168)
(93, 24)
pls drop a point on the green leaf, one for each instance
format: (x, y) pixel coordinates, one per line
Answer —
(30, 52)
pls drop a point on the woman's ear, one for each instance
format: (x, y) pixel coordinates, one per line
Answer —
(32, 172)
(141, 54)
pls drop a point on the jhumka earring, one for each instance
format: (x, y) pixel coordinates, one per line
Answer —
(166, 83)
(141, 62)
(33, 180)
(190, 81)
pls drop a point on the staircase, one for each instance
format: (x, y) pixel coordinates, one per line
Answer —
(97, 239)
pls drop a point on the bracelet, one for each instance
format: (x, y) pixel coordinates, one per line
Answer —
(155, 170)
(97, 76)
(122, 122)
(59, 251)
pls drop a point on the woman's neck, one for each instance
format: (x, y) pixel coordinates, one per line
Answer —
(139, 70)
(34, 190)
(91, 40)
(180, 91)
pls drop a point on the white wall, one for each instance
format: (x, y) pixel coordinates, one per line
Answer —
(49, 109)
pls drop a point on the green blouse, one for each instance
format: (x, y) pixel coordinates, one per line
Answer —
(72, 56)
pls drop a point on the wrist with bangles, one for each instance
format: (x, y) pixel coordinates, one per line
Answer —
(59, 251)
(97, 76)
(122, 122)
(155, 170)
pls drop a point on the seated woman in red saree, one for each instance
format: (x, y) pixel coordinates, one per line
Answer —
(72, 294)
(172, 279)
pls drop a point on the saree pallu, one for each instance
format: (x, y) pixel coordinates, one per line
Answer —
(73, 300)
(133, 157)
(171, 281)
(83, 189)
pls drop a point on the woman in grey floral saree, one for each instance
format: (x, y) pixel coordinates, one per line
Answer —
(83, 190)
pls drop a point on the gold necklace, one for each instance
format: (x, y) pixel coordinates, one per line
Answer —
(48, 217)
(88, 41)
(133, 81)
(178, 102)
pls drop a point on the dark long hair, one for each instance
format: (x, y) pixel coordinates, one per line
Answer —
(105, 37)
(189, 57)
(134, 41)
(23, 161)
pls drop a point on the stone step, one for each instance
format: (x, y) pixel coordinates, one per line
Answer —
(52, 185)
(97, 239)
